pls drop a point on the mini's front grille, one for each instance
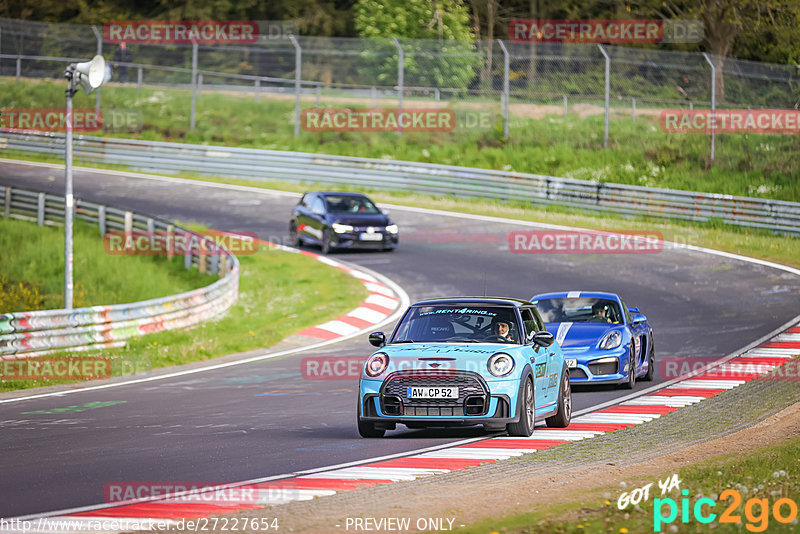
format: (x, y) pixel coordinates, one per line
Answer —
(609, 368)
(473, 394)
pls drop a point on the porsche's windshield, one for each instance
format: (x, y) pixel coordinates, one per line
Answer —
(458, 324)
(579, 310)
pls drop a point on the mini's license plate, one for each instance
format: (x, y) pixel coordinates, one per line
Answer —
(365, 236)
(432, 393)
(572, 363)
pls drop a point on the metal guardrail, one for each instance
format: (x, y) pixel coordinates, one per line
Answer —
(160, 157)
(26, 334)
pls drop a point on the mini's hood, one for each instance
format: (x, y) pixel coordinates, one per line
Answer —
(579, 334)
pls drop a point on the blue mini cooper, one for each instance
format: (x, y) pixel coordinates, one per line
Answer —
(465, 361)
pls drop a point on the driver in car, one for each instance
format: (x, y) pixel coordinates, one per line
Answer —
(600, 313)
(502, 329)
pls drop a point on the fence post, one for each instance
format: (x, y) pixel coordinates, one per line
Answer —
(194, 85)
(99, 36)
(400, 72)
(437, 96)
(40, 210)
(128, 224)
(565, 106)
(608, 90)
(506, 83)
(200, 85)
(256, 89)
(319, 94)
(713, 105)
(633, 109)
(19, 67)
(374, 95)
(298, 65)
(101, 220)
(139, 80)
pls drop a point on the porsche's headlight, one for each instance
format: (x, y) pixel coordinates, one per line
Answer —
(500, 364)
(612, 340)
(341, 228)
(392, 229)
(376, 364)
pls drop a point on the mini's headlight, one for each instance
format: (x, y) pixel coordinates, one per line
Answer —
(376, 364)
(500, 364)
(392, 229)
(612, 340)
(341, 228)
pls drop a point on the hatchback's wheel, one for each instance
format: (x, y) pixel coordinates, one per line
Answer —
(294, 237)
(651, 362)
(631, 369)
(562, 417)
(527, 409)
(326, 241)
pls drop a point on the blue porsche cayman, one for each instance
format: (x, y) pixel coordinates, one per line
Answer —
(465, 361)
(604, 341)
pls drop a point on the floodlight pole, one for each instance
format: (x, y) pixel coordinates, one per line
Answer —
(68, 200)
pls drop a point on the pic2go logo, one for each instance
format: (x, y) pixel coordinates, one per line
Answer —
(756, 511)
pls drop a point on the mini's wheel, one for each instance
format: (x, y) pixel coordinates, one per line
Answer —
(527, 415)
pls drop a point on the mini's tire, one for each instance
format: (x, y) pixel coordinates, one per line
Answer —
(564, 414)
(367, 429)
(527, 412)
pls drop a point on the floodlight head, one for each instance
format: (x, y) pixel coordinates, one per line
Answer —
(91, 74)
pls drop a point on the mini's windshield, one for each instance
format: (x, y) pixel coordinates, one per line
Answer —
(579, 310)
(458, 324)
(350, 204)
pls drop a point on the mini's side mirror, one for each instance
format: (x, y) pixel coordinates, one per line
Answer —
(377, 339)
(543, 338)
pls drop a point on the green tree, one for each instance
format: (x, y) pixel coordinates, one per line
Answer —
(443, 54)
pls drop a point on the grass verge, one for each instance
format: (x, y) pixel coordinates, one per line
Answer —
(280, 293)
(746, 488)
(32, 276)
(541, 141)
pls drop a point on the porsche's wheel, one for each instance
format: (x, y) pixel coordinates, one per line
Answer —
(326, 241)
(562, 418)
(526, 407)
(631, 369)
(651, 362)
(294, 237)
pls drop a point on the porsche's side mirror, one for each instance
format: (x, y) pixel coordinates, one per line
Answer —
(638, 318)
(377, 339)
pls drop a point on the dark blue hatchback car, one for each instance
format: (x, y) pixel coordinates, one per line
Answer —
(341, 220)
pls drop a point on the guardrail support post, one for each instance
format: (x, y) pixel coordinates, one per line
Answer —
(400, 73)
(373, 93)
(170, 241)
(713, 105)
(608, 91)
(128, 222)
(187, 256)
(7, 203)
(319, 94)
(506, 88)
(139, 80)
(298, 65)
(40, 210)
(194, 86)
(101, 220)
